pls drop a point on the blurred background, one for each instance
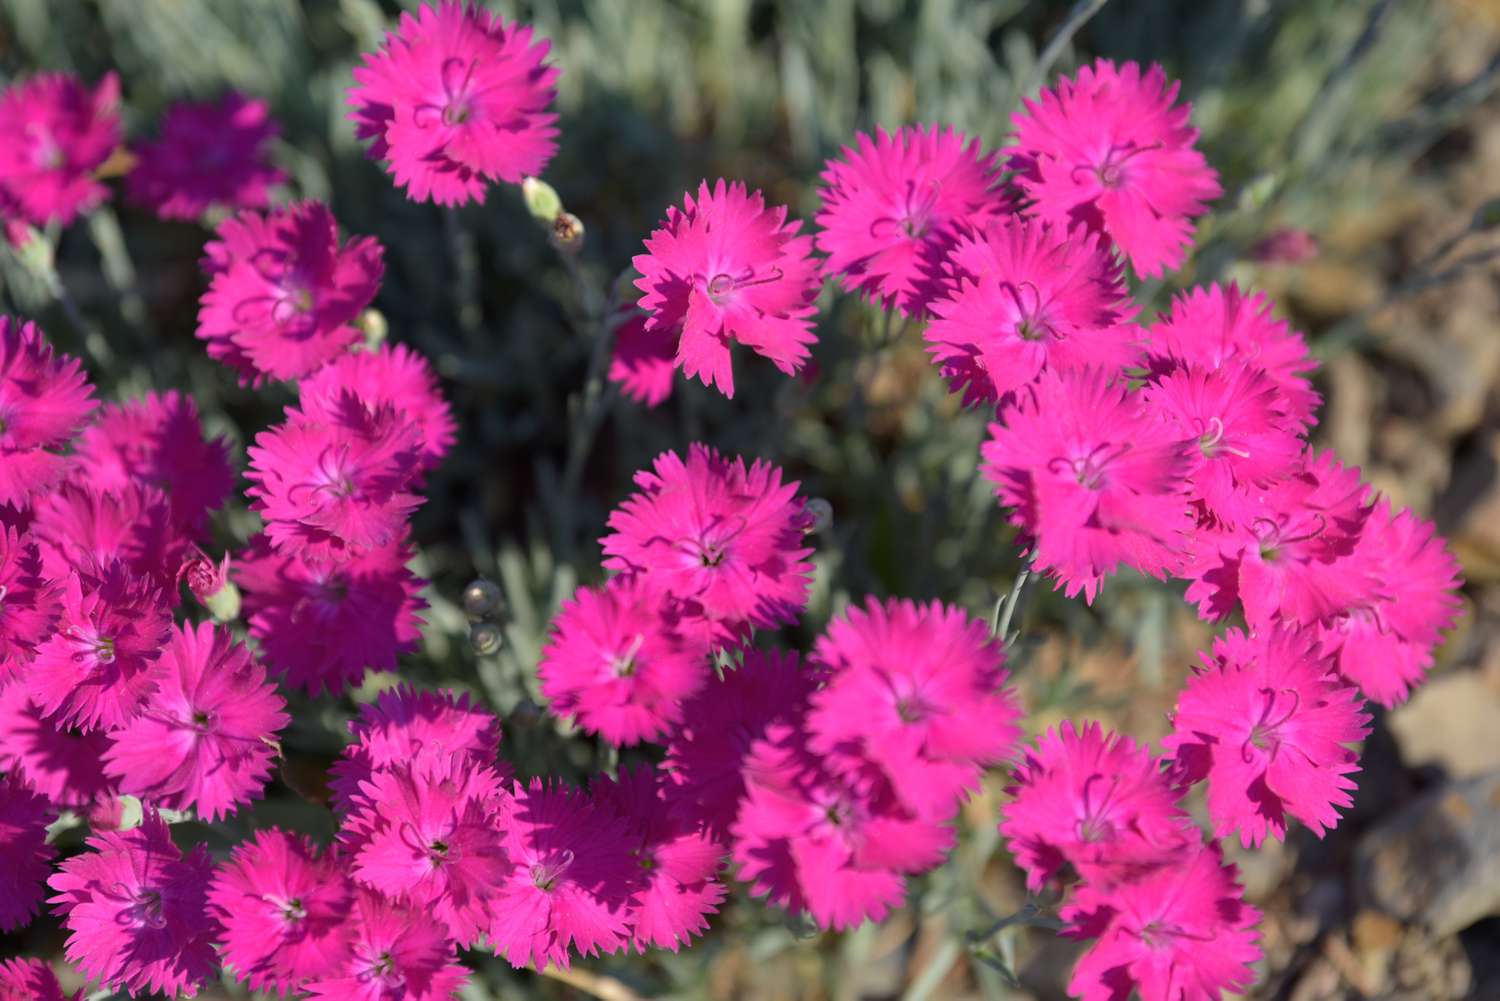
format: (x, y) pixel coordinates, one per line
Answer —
(1359, 146)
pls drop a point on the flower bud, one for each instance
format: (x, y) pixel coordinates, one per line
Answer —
(542, 200)
(819, 516)
(210, 584)
(567, 233)
(483, 600)
(486, 638)
(372, 324)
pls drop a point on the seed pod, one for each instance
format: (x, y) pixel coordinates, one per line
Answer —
(486, 638)
(483, 600)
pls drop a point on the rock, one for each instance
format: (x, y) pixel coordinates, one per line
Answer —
(1436, 863)
(1452, 722)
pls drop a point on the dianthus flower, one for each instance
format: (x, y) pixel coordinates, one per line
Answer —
(99, 668)
(706, 754)
(337, 485)
(395, 953)
(1093, 478)
(30, 980)
(206, 739)
(44, 399)
(917, 691)
(55, 132)
(643, 361)
(283, 910)
(28, 602)
(617, 664)
(894, 205)
(24, 816)
(62, 764)
(1181, 932)
(284, 294)
(322, 625)
(81, 528)
(1267, 723)
(571, 880)
(208, 154)
(454, 99)
(728, 269)
(709, 532)
(678, 862)
(1384, 643)
(1109, 148)
(396, 376)
(1028, 297)
(136, 911)
(1097, 801)
(837, 846)
(1221, 327)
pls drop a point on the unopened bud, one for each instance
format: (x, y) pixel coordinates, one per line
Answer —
(372, 324)
(819, 515)
(483, 600)
(541, 198)
(486, 638)
(210, 584)
(567, 233)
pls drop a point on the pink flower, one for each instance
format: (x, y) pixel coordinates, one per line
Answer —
(396, 953)
(24, 816)
(30, 980)
(1268, 725)
(454, 99)
(207, 737)
(136, 911)
(915, 690)
(644, 361)
(1109, 149)
(283, 294)
(1095, 800)
(837, 846)
(44, 399)
(894, 206)
(79, 528)
(208, 154)
(98, 670)
(710, 532)
(1028, 297)
(157, 441)
(1093, 478)
(28, 603)
(571, 879)
(679, 864)
(54, 134)
(64, 765)
(1182, 932)
(618, 666)
(729, 269)
(706, 755)
(322, 625)
(396, 376)
(283, 911)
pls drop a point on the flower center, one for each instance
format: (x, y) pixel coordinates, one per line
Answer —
(546, 875)
(146, 909)
(201, 720)
(1089, 468)
(623, 664)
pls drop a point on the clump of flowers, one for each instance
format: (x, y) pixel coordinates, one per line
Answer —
(208, 154)
(44, 399)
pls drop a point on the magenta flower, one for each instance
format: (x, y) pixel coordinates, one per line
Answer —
(1093, 478)
(31, 980)
(722, 538)
(396, 953)
(1027, 297)
(571, 880)
(1182, 932)
(98, 670)
(1110, 149)
(1095, 800)
(208, 154)
(283, 910)
(54, 135)
(136, 911)
(894, 206)
(728, 269)
(643, 361)
(24, 816)
(454, 99)
(916, 691)
(44, 399)
(283, 294)
(80, 529)
(29, 604)
(62, 764)
(396, 376)
(322, 625)
(206, 739)
(1268, 725)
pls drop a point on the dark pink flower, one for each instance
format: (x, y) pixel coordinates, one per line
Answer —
(322, 625)
(136, 911)
(1287, 245)
(283, 910)
(1109, 149)
(894, 205)
(28, 602)
(644, 360)
(24, 816)
(206, 739)
(283, 294)
(82, 529)
(728, 269)
(208, 154)
(395, 376)
(1268, 724)
(454, 99)
(396, 953)
(54, 134)
(30, 980)
(63, 764)
(44, 399)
